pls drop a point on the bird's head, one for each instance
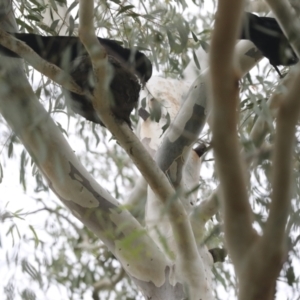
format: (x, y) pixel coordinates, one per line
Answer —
(143, 67)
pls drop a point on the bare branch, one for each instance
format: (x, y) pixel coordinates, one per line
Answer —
(288, 115)
(72, 183)
(136, 200)
(208, 207)
(187, 254)
(202, 213)
(224, 85)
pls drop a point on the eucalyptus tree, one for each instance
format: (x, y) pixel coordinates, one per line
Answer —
(165, 238)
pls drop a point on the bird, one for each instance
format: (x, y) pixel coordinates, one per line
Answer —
(266, 34)
(131, 70)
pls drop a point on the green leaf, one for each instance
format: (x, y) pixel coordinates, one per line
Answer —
(166, 126)
(143, 102)
(290, 276)
(159, 11)
(37, 4)
(31, 270)
(72, 6)
(33, 18)
(1, 173)
(72, 25)
(205, 46)
(10, 149)
(196, 60)
(24, 25)
(194, 36)
(54, 25)
(183, 30)
(23, 164)
(248, 76)
(155, 110)
(125, 8)
(36, 239)
(53, 5)
(96, 135)
(205, 31)
(174, 47)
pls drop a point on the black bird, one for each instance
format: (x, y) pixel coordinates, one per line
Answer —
(267, 36)
(69, 54)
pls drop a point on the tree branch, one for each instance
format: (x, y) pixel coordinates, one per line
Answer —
(288, 115)
(136, 200)
(224, 86)
(70, 181)
(187, 255)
